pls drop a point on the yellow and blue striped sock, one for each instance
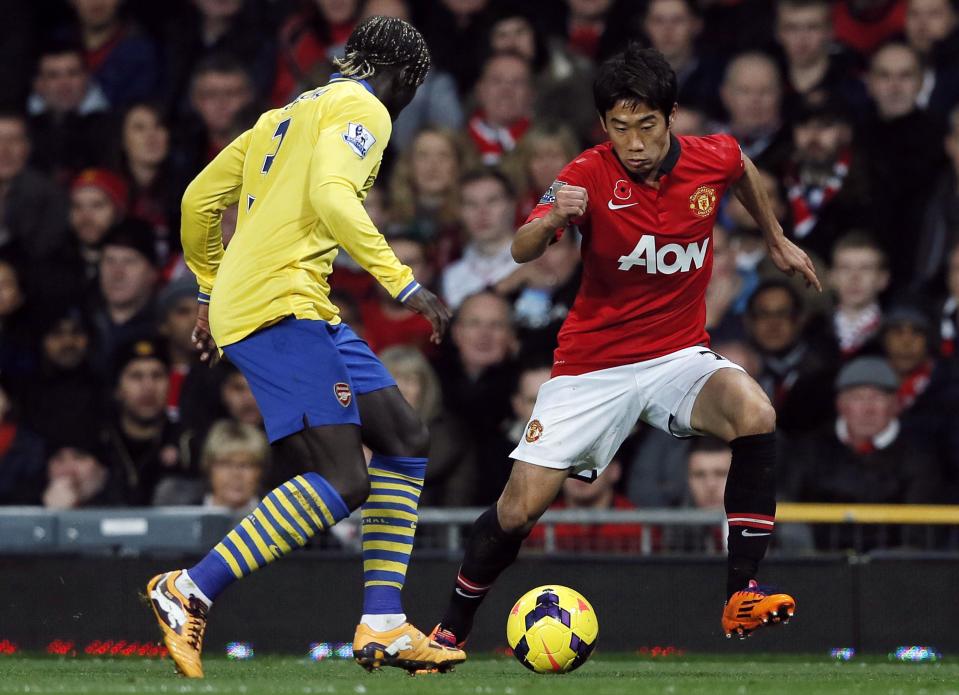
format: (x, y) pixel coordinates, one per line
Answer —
(389, 524)
(285, 520)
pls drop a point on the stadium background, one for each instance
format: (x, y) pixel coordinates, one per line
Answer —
(108, 108)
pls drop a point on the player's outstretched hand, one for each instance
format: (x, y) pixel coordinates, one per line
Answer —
(202, 340)
(791, 259)
(429, 305)
(570, 202)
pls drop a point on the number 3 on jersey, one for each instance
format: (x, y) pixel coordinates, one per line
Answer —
(280, 133)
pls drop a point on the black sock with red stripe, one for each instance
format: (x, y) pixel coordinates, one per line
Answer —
(489, 551)
(750, 502)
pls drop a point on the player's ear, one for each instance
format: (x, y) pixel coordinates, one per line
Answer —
(672, 116)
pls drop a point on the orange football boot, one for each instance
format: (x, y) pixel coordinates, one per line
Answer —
(182, 621)
(754, 607)
(403, 647)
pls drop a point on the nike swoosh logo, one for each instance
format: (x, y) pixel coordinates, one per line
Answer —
(761, 533)
(613, 206)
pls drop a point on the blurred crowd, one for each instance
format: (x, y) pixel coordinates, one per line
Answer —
(108, 108)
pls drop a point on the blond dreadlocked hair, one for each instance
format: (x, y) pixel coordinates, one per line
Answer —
(380, 41)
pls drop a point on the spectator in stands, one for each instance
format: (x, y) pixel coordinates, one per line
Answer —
(154, 193)
(599, 494)
(797, 372)
(237, 398)
(949, 309)
(537, 160)
(504, 106)
(591, 28)
(176, 318)
(33, 208)
(707, 465)
(827, 180)
(64, 398)
(69, 125)
(815, 70)
(859, 274)
(542, 293)
(235, 459)
(904, 146)
(221, 94)
(673, 27)
(436, 104)
(478, 374)
(865, 456)
(122, 59)
(389, 322)
(456, 33)
(312, 36)
(424, 195)
(512, 428)
(563, 79)
(128, 278)
(452, 474)
(211, 27)
(864, 25)
(21, 456)
(752, 93)
(932, 29)
(142, 446)
(487, 210)
(76, 478)
(940, 221)
(728, 290)
(16, 343)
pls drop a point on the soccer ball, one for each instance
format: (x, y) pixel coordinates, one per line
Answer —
(552, 629)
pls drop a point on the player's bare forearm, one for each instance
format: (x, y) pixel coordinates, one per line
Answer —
(751, 193)
(533, 237)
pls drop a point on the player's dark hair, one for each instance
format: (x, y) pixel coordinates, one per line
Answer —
(484, 173)
(635, 76)
(776, 284)
(385, 41)
(859, 239)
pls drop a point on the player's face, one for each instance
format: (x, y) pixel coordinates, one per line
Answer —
(818, 142)
(91, 214)
(928, 21)
(804, 33)
(11, 296)
(894, 81)
(235, 478)
(671, 27)
(487, 210)
(239, 401)
(640, 136)
(145, 139)
(707, 478)
(142, 389)
(434, 164)
(773, 321)
(65, 345)
(14, 148)
(867, 410)
(61, 81)
(906, 347)
(126, 277)
(858, 277)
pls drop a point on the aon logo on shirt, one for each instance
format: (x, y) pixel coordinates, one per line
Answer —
(668, 259)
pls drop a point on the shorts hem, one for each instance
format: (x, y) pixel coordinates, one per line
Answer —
(542, 463)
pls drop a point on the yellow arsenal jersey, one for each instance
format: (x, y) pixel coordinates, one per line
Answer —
(299, 177)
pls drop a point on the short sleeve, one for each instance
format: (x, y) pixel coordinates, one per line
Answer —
(573, 174)
(731, 156)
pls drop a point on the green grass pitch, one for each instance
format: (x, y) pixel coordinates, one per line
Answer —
(603, 674)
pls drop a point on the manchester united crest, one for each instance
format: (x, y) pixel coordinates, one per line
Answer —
(703, 201)
(534, 431)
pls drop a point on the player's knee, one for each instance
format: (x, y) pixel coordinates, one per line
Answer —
(515, 517)
(757, 416)
(415, 441)
(354, 487)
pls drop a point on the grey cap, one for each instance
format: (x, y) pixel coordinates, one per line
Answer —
(183, 286)
(867, 371)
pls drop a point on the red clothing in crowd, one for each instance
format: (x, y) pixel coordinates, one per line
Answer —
(607, 538)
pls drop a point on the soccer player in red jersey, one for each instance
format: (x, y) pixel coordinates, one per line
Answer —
(634, 345)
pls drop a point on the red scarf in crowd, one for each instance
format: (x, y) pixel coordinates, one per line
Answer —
(491, 141)
(914, 384)
(806, 199)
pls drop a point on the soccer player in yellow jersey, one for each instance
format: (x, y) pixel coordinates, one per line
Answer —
(300, 176)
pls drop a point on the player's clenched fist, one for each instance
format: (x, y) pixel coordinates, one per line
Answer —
(570, 202)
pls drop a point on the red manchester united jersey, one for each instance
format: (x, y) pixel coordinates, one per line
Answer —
(647, 253)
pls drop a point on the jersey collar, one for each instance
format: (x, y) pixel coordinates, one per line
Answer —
(366, 85)
(672, 156)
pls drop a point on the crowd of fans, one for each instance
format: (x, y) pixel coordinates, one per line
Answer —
(109, 108)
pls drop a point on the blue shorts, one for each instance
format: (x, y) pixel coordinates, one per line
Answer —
(305, 374)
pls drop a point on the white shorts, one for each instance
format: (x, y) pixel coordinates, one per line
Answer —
(579, 422)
